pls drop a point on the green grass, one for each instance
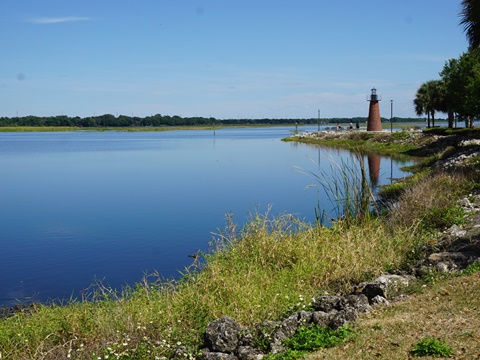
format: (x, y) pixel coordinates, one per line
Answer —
(393, 144)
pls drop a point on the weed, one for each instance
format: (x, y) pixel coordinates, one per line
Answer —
(432, 347)
(471, 269)
(311, 338)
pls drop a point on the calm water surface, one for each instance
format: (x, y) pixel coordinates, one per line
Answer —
(80, 206)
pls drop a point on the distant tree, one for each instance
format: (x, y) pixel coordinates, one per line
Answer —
(470, 14)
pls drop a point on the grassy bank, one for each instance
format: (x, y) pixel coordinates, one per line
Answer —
(270, 268)
(392, 144)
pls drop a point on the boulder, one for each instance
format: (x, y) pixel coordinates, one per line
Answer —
(249, 353)
(222, 335)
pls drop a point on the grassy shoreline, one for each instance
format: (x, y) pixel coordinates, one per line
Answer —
(384, 143)
(133, 128)
(268, 269)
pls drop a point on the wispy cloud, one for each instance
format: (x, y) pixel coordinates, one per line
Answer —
(56, 20)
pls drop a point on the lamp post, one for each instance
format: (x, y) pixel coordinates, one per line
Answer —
(318, 121)
(391, 116)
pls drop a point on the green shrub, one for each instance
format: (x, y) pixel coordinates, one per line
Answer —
(431, 347)
(311, 338)
(442, 218)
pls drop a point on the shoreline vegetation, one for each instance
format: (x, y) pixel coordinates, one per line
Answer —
(159, 121)
(275, 266)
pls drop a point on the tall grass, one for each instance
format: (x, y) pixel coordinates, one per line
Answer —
(431, 193)
(346, 185)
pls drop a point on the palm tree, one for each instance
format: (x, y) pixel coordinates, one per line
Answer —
(431, 97)
(420, 102)
(470, 14)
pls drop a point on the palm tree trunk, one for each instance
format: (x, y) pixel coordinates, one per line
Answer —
(450, 118)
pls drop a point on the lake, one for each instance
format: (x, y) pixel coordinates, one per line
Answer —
(79, 206)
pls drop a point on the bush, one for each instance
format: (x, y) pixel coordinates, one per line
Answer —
(311, 338)
(431, 347)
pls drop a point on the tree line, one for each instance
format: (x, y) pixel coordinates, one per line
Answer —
(157, 120)
(457, 92)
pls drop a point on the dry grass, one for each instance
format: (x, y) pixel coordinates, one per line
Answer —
(436, 191)
(448, 310)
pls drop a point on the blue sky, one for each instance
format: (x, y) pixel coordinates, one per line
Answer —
(221, 58)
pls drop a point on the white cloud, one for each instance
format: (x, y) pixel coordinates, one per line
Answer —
(48, 20)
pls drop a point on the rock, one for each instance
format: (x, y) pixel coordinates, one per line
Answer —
(209, 355)
(373, 289)
(321, 318)
(383, 286)
(304, 317)
(359, 302)
(289, 325)
(325, 303)
(394, 282)
(222, 335)
(379, 300)
(277, 349)
(456, 231)
(246, 337)
(343, 317)
(448, 261)
(249, 353)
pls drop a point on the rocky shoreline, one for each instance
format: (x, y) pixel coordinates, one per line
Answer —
(455, 249)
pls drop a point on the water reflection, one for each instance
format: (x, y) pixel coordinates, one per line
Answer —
(374, 168)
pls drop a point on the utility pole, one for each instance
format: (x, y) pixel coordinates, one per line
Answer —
(391, 116)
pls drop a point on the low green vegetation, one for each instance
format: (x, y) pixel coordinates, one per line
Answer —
(431, 347)
(269, 268)
(311, 338)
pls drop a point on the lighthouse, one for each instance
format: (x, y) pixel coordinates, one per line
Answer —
(374, 123)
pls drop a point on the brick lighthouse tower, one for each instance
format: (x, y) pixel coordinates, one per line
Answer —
(374, 122)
